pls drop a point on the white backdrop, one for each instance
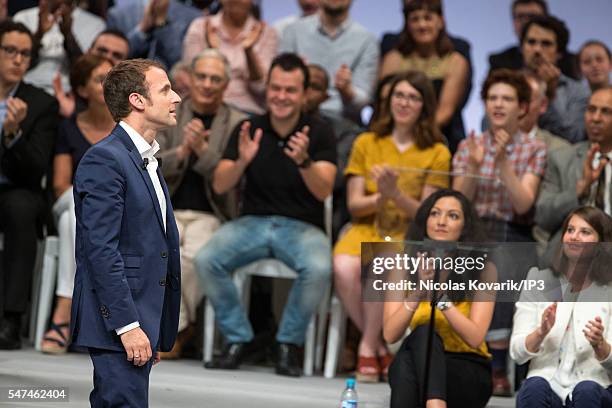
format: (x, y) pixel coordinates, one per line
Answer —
(486, 24)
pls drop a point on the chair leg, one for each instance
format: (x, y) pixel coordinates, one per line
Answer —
(46, 289)
(334, 337)
(309, 346)
(321, 326)
(209, 331)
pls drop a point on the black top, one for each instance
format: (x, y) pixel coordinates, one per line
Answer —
(191, 194)
(274, 185)
(512, 58)
(70, 140)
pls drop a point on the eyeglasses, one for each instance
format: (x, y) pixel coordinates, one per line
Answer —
(412, 98)
(104, 52)
(215, 79)
(12, 52)
(544, 43)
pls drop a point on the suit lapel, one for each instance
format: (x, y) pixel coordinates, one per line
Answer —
(137, 160)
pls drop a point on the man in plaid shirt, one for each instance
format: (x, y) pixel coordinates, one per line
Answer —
(500, 171)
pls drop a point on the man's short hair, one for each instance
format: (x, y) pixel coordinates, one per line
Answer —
(595, 42)
(125, 78)
(319, 68)
(515, 79)
(213, 53)
(549, 23)
(289, 61)
(542, 3)
(8, 26)
(113, 32)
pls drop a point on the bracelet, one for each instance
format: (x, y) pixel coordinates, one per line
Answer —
(408, 308)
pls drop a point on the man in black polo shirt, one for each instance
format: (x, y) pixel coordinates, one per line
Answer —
(288, 162)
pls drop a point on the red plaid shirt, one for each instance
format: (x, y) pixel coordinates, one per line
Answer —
(527, 155)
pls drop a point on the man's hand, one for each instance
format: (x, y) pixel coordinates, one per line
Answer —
(247, 147)
(343, 81)
(66, 101)
(16, 111)
(297, 146)
(196, 136)
(501, 140)
(155, 15)
(137, 346)
(253, 36)
(211, 35)
(476, 152)
(590, 175)
(548, 72)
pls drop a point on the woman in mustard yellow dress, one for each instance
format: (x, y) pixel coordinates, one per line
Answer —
(460, 367)
(390, 171)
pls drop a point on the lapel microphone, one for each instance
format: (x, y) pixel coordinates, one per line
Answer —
(145, 163)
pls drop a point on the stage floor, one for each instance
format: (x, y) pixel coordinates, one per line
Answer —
(186, 383)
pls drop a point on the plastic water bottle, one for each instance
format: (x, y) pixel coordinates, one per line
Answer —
(349, 396)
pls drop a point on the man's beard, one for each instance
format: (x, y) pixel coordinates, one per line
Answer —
(334, 11)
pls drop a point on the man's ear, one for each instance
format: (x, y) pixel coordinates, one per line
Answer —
(524, 108)
(137, 101)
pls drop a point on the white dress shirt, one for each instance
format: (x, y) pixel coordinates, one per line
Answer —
(608, 180)
(146, 151)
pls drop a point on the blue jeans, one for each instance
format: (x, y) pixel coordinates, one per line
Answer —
(535, 392)
(301, 246)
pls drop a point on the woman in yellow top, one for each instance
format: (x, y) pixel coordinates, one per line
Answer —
(425, 46)
(377, 190)
(460, 370)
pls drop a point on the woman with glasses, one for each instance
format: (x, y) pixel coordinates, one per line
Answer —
(75, 136)
(383, 199)
(567, 344)
(425, 46)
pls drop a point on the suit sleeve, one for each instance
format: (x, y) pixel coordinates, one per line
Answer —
(101, 189)
(555, 201)
(28, 159)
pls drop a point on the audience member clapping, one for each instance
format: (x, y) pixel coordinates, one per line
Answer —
(249, 45)
(400, 146)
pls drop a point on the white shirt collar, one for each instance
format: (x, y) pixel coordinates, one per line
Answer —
(144, 148)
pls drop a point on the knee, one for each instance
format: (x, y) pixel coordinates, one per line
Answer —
(346, 268)
(587, 387)
(532, 387)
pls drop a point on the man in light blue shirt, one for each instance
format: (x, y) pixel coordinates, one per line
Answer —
(347, 51)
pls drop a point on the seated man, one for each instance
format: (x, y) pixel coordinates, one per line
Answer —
(543, 41)
(580, 174)
(347, 51)
(522, 12)
(288, 161)
(190, 152)
(28, 124)
(595, 64)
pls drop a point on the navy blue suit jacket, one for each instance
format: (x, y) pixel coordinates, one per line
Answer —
(128, 268)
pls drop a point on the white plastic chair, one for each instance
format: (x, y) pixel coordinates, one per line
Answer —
(273, 268)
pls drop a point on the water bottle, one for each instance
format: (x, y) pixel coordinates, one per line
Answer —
(349, 396)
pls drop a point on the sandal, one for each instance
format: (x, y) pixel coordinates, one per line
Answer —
(385, 361)
(368, 369)
(61, 345)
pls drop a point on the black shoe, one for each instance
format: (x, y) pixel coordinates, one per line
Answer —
(287, 361)
(230, 359)
(9, 335)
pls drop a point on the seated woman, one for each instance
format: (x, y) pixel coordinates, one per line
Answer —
(568, 343)
(460, 363)
(425, 46)
(407, 137)
(75, 136)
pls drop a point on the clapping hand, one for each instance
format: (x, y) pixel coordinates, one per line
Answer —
(248, 147)
(297, 146)
(253, 36)
(16, 111)
(548, 320)
(475, 151)
(590, 175)
(343, 80)
(501, 139)
(196, 136)
(211, 35)
(386, 181)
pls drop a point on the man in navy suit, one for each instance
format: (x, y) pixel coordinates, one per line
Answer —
(127, 286)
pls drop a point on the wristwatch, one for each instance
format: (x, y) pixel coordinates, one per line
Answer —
(306, 163)
(443, 303)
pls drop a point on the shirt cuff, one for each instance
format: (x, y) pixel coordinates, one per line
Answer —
(607, 362)
(523, 353)
(127, 328)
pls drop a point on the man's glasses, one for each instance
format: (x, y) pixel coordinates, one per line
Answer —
(12, 52)
(544, 43)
